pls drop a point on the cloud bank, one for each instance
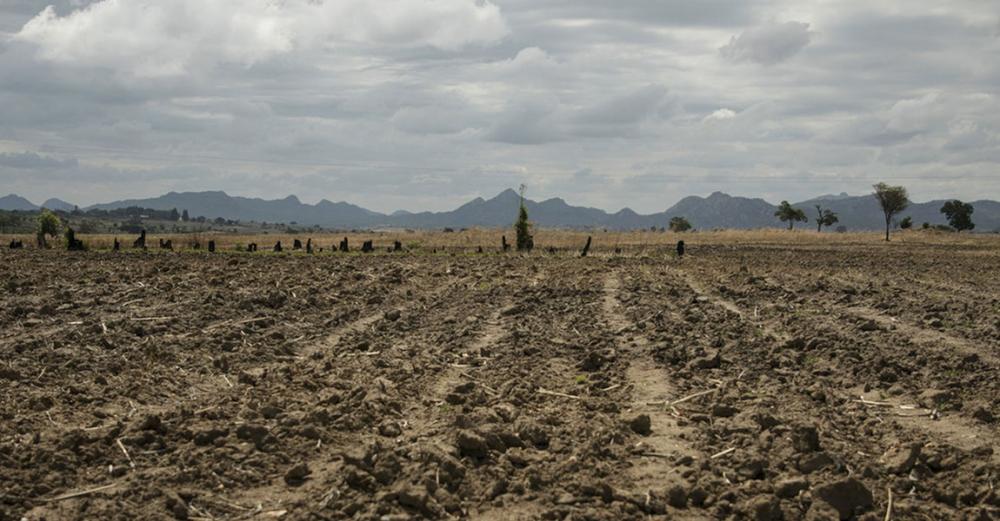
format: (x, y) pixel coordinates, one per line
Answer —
(423, 104)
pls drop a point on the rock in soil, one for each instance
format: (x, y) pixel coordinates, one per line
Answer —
(899, 460)
(641, 425)
(472, 445)
(297, 474)
(848, 497)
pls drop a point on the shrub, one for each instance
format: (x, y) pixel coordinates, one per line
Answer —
(522, 227)
(679, 224)
(48, 226)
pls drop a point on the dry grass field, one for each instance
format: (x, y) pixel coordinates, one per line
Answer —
(766, 375)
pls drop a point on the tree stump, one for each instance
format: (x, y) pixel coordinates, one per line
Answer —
(16, 245)
(140, 243)
(72, 243)
(309, 246)
(344, 247)
(297, 245)
(277, 247)
(680, 248)
(586, 248)
(117, 245)
(504, 243)
(367, 247)
(397, 246)
(211, 246)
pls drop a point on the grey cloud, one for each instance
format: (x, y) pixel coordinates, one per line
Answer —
(33, 161)
(669, 13)
(611, 103)
(531, 122)
(768, 44)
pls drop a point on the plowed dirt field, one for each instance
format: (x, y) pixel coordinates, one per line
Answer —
(766, 382)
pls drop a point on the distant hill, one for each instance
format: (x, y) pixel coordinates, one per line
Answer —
(58, 204)
(723, 211)
(287, 210)
(718, 210)
(16, 202)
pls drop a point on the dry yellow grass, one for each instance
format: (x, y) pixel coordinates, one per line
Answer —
(489, 239)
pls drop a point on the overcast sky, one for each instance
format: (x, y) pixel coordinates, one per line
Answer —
(424, 104)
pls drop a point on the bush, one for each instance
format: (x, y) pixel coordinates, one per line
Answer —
(522, 227)
(48, 226)
(679, 224)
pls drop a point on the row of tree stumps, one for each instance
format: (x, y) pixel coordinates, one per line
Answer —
(74, 244)
(344, 245)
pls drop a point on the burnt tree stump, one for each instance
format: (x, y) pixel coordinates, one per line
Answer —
(117, 245)
(344, 247)
(297, 245)
(211, 246)
(479, 250)
(367, 247)
(586, 248)
(141, 241)
(277, 247)
(16, 245)
(72, 243)
(680, 248)
(309, 246)
(397, 246)
(504, 243)
(252, 247)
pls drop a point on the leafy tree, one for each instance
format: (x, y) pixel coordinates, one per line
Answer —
(48, 225)
(522, 227)
(825, 217)
(185, 217)
(906, 223)
(959, 214)
(787, 213)
(174, 215)
(892, 200)
(679, 224)
(8, 221)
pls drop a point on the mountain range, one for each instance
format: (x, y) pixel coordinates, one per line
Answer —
(718, 210)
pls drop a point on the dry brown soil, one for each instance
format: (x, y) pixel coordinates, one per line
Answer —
(806, 381)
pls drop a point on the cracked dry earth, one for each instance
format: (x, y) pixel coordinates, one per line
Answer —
(737, 383)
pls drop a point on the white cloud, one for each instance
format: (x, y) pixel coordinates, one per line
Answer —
(768, 44)
(156, 38)
(722, 113)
